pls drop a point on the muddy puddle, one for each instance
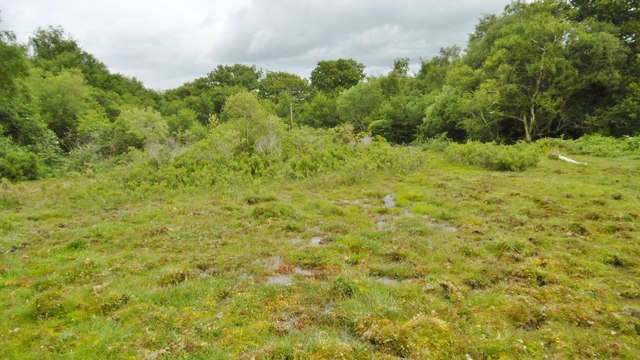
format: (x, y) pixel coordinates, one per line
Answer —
(390, 201)
(274, 262)
(387, 281)
(440, 225)
(280, 279)
(386, 223)
(304, 272)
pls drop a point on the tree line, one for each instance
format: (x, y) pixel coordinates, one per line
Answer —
(549, 68)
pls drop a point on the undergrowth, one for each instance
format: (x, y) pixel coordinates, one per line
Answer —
(301, 153)
(594, 145)
(492, 156)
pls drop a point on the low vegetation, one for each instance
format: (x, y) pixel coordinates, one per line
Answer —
(406, 255)
(494, 157)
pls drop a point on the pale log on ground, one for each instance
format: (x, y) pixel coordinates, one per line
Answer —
(566, 159)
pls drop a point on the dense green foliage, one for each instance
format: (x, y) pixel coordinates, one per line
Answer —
(595, 145)
(546, 69)
(17, 162)
(333, 76)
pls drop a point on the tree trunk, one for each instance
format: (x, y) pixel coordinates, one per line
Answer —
(532, 124)
(527, 129)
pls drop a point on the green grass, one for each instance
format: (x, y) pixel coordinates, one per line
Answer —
(534, 264)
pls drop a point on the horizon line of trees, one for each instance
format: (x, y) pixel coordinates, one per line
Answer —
(549, 68)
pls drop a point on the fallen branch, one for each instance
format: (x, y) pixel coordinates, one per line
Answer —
(566, 159)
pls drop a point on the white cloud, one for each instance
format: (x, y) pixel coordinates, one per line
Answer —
(165, 43)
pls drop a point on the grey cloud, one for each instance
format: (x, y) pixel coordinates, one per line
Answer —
(373, 32)
(165, 43)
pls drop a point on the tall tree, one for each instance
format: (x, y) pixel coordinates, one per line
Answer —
(235, 75)
(245, 113)
(13, 68)
(358, 104)
(433, 72)
(320, 111)
(138, 128)
(398, 118)
(287, 92)
(623, 13)
(333, 76)
(274, 84)
(54, 51)
(529, 68)
(18, 118)
(61, 100)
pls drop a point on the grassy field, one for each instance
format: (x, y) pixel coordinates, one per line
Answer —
(445, 261)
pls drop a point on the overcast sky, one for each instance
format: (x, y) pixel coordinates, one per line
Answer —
(166, 43)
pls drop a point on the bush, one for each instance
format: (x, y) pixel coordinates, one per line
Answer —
(83, 157)
(18, 163)
(138, 128)
(594, 145)
(228, 156)
(491, 156)
(437, 143)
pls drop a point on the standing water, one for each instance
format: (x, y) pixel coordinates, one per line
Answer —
(389, 201)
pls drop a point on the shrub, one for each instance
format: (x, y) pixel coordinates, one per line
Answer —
(18, 163)
(81, 158)
(491, 156)
(594, 145)
(438, 143)
(137, 128)
(228, 156)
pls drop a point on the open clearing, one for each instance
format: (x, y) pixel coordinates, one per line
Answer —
(447, 261)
